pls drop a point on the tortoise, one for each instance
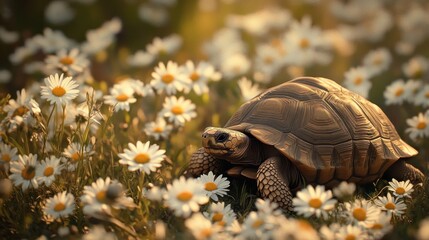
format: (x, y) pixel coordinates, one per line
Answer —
(305, 131)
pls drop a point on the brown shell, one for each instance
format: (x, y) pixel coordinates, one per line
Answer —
(330, 133)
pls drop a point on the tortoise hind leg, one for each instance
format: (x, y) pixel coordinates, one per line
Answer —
(203, 163)
(273, 184)
(403, 171)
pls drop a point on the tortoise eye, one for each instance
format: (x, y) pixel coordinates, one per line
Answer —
(222, 137)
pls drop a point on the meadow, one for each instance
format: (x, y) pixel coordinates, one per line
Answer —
(103, 104)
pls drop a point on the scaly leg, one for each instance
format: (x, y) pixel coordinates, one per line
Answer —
(203, 163)
(403, 171)
(274, 184)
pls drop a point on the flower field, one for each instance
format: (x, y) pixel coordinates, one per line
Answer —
(103, 104)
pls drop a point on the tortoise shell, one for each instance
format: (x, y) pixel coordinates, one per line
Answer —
(328, 132)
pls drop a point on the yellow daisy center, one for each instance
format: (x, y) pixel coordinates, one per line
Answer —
(257, 223)
(390, 206)
(101, 196)
(427, 95)
(142, 158)
(167, 78)
(184, 196)
(67, 60)
(304, 43)
(122, 97)
(48, 171)
(177, 110)
(378, 60)
(194, 76)
(421, 125)
(28, 173)
(217, 217)
(58, 91)
(158, 130)
(210, 186)
(315, 203)
(304, 225)
(20, 111)
(268, 60)
(400, 190)
(59, 207)
(399, 92)
(377, 226)
(75, 156)
(358, 80)
(359, 214)
(206, 233)
(350, 237)
(6, 157)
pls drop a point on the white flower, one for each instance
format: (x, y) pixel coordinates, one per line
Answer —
(170, 79)
(377, 60)
(220, 214)
(362, 212)
(248, 89)
(267, 208)
(155, 193)
(140, 59)
(298, 229)
(71, 62)
(75, 152)
(120, 97)
(138, 86)
(99, 233)
(401, 189)
(214, 187)
(8, 154)
(422, 97)
(423, 231)
(350, 232)
(418, 126)
(60, 205)
(178, 110)
(381, 225)
(157, 16)
(256, 226)
(59, 12)
(413, 87)
(201, 227)
(200, 75)
(357, 80)
(158, 129)
(21, 111)
(8, 36)
(142, 157)
(416, 67)
(184, 196)
(99, 39)
(48, 169)
(164, 46)
(269, 59)
(5, 76)
(344, 190)
(102, 195)
(235, 65)
(314, 201)
(392, 205)
(59, 90)
(24, 171)
(396, 93)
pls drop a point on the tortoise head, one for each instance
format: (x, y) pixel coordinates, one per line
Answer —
(225, 143)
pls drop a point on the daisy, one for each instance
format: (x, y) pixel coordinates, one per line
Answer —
(24, 171)
(164, 46)
(362, 212)
(200, 75)
(48, 169)
(350, 232)
(214, 187)
(220, 214)
(8, 154)
(416, 67)
(396, 93)
(8, 36)
(59, 12)
(72, 62)
(314, 201)
(377, 61)
(413, 87)
(418, 126)
(5, 76)
(142, 157)
(248, 89)
(381, 226)
(344, 190)
(74, 153)
(169, 79)
(138, 86)
(155, 15)
(201, 227)
(256, 226)
(120, 97)
(102, 195)
(60, 205)
(391, 204)
(401, 189)
(357, 80)
(21, 110)
(422, 97)
(269, 59)
(154, 193)
(423, 231)
(158, 129)
(267, 208)
(59, 90)
(98, 232)
(140, 59)
(184, 196)
(293, 229)
(178, 110)
(235, 65)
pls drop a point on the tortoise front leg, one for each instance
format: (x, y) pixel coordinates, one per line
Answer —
(273, 183)
(203, 163)
(403, 171)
